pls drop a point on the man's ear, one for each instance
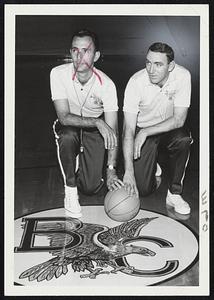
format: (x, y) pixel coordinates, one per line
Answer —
(171, 65)
(96, 56)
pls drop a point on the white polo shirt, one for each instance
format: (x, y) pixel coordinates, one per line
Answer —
(98, 95)
(153, 104)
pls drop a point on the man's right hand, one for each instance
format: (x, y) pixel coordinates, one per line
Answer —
(130, 183)
(108, 134)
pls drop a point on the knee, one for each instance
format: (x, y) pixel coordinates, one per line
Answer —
(86, 190)
(68, 136)
(145, 189)
(90, 188)
(183, 142)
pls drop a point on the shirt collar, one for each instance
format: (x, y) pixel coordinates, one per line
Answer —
(76, 79)
(171, 77)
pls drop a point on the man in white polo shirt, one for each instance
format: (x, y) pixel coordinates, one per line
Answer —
(85, 100)
(156, 104)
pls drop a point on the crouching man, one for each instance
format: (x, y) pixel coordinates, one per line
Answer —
(156, 105)
(85, 100)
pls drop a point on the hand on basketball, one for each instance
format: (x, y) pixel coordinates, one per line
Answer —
(138, 143)
(113, 182)
(130, 184)
(108, 134)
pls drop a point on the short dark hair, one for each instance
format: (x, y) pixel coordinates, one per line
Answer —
(163, 48)
(86, 32)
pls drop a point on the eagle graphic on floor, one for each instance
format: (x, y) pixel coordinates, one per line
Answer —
(97, 244)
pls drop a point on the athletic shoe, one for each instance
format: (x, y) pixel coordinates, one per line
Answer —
(176, 201)
(71, 202)
(174, 215)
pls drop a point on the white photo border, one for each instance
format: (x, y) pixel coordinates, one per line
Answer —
(11, 11)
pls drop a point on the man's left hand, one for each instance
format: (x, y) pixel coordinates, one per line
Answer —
(138, 143)
(113, 182)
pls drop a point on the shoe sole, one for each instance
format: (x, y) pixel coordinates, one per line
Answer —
(172, 205)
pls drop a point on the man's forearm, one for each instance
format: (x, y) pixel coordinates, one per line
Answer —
(128, 144)
(78, 121)
(112, 156)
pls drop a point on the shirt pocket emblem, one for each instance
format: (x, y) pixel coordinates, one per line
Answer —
(96, 100)
(170, 94)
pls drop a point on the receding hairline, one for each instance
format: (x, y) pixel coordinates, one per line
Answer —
(87, 33)
(82, 37)
(161, 47)
(156, 52)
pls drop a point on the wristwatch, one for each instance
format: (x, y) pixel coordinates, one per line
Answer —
(111, 167)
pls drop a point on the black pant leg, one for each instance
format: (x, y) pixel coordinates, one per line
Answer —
(145, 167)
(177, 143)
(68, 144)
(91, 160)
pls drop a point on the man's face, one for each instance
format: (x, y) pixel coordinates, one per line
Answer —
(83, 53)
(157, 67)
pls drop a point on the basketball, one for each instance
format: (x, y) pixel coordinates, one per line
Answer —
(120, 206)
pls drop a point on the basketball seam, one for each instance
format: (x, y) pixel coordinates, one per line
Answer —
(117, 214)
(118, 203)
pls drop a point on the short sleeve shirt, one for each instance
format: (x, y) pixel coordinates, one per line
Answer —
(98, 95)
(153, 104)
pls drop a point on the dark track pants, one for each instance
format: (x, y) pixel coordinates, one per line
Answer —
(89, 176)
(177, 145)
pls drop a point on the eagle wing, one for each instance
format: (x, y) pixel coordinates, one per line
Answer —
(124, 230)
(70, 241)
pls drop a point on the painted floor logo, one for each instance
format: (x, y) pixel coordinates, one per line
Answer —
(52, 248)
